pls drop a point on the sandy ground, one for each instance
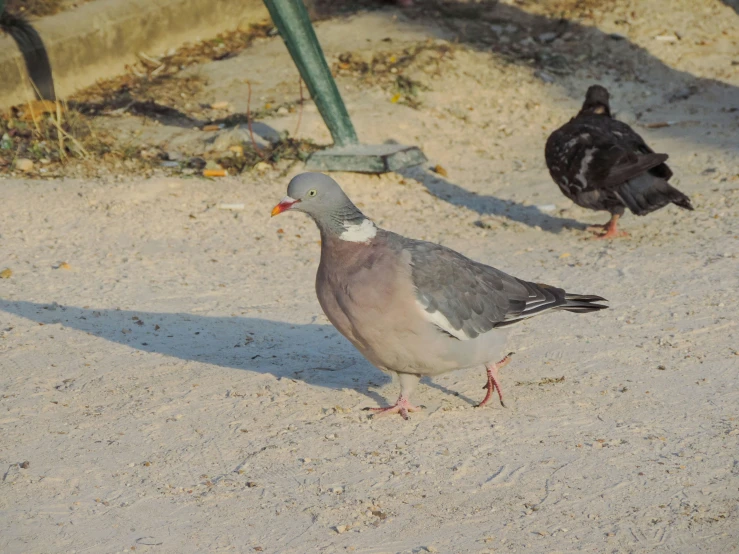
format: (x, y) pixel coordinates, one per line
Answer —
(168, 375)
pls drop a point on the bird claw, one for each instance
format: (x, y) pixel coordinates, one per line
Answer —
(611, 234)
(402, 407)
(493, 384)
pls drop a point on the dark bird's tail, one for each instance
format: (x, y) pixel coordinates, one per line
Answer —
(34, 53)
(582, 303)
(647, 193)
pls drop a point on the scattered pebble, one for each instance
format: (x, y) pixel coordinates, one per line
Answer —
(6, 273)
(440, 170)
(544, 76)
(25, 465)
(24, 164)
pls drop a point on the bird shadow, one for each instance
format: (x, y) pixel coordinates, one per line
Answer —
(285, 350)
(531, 216)
(447, 391)
(733, 4)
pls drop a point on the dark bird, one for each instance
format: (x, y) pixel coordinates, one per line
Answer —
(33, 51)
(602, 164)
(411, 307)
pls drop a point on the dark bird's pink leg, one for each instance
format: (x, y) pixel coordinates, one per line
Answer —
(493, 382)
(610, 229)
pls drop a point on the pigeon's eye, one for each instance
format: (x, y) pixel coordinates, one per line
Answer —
(312, 192)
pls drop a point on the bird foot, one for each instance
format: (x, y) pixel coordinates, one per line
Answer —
(493, 383)
(611, 234)
(608, 230)
(402, 407)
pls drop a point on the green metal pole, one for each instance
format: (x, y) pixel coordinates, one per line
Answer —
(291, 19)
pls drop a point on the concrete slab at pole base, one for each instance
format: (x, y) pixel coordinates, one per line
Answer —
(366, 158)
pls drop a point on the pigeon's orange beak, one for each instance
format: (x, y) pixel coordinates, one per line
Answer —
(284, 205)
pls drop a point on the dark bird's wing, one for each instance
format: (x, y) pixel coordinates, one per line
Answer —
(590, 153)
(466, 299)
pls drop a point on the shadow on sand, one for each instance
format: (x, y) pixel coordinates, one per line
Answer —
(489, 205)
(252, 344)
(277, 348)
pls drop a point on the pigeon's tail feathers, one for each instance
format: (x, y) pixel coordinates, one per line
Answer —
(582, 303)
(34, 53)
(647, 193)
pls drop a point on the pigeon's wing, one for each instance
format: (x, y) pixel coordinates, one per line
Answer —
(635, 143)
(465, 299)
(625, 165)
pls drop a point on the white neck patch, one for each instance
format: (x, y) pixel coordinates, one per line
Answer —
(362, 232)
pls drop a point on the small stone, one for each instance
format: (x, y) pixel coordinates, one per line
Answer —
(282, 110)
(64, 265)
(544, 76)
(24, 164)
(440, 170)
(262, 166)
(25, 465)
(306, 460)
(341, 529)
(6, 273)
(547, 37)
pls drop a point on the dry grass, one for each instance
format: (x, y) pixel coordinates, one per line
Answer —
(390, 70)
(69, 138)
(36, 8)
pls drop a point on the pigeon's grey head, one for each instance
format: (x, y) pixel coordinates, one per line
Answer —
(596, 101)
(321, 197)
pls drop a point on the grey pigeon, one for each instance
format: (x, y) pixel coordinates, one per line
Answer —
(411, 307)
(602, 164)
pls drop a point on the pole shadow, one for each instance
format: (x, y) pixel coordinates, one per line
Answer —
(531, 216)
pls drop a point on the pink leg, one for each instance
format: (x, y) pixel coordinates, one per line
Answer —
(610, 229)
(402, 407)
(408, 384)
(493, 383)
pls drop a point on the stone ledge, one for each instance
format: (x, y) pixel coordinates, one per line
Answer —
(98, 39)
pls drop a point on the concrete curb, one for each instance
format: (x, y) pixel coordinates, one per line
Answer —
(97, 40)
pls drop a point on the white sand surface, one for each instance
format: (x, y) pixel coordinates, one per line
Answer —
(176, 388)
